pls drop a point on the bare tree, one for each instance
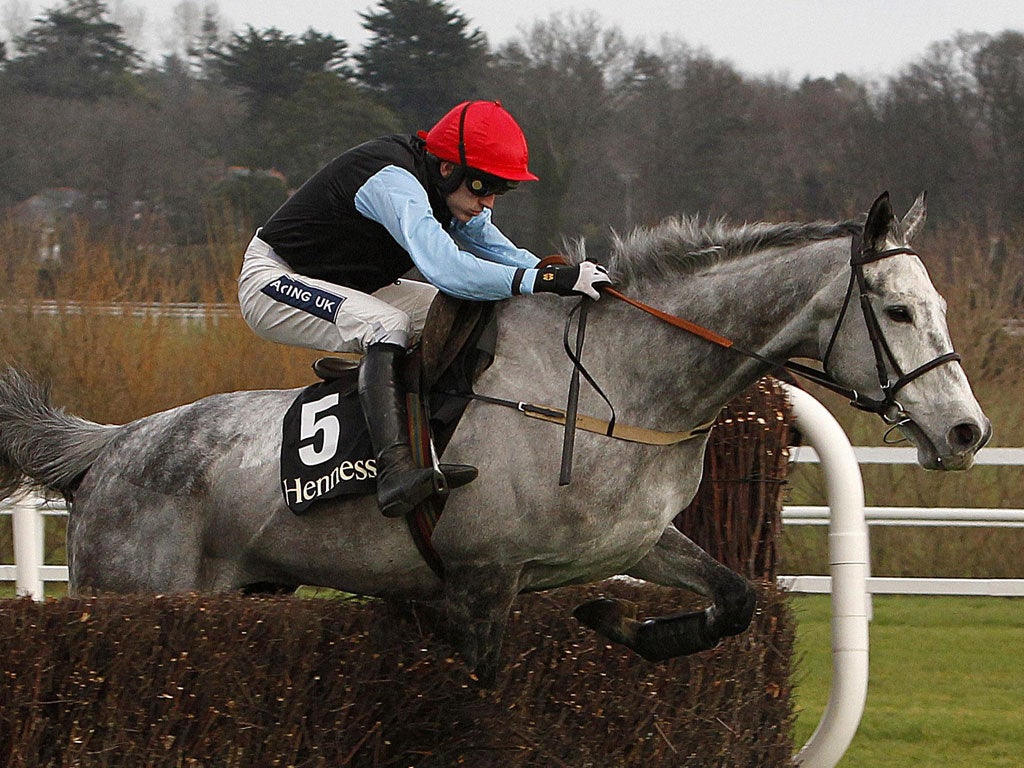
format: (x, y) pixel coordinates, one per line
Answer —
(999, 69)
(193, 34)
(560, 80)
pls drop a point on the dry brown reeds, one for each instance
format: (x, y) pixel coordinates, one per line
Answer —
(77, 325)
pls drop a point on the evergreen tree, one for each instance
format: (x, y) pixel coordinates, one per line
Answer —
(193, 35)
(73, 51)
(200, 53)
(271, 64)
(302, 109)
(327, 115)
(422, 58)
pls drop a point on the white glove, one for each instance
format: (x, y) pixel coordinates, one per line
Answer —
(583, 279)
(592, 276)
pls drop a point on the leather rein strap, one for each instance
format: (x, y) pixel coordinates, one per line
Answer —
(887, 407)
(678, 322)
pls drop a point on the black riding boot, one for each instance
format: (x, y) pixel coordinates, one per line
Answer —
(401, 485)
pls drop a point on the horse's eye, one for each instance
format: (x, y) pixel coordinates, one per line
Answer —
(899, 314)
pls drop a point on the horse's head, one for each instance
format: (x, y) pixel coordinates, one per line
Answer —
(892, 345)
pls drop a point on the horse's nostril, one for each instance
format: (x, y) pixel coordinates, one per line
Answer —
(964, 436)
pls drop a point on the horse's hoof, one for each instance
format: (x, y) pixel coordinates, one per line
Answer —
(736, 614)
(613, 619)
(671, 636)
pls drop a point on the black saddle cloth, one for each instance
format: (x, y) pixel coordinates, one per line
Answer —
(325, 446)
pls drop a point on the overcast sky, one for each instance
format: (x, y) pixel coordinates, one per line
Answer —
(792, 38)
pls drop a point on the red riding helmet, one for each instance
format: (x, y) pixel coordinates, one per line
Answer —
(484, 136)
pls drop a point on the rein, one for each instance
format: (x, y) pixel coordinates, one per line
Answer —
(888, 407)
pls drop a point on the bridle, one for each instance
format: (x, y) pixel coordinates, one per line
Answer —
(888, 407)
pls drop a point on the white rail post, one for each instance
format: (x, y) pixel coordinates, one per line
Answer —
(848, 565)
(27, 523)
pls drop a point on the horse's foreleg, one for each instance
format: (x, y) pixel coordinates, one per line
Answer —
(675, 561)
(477, 602)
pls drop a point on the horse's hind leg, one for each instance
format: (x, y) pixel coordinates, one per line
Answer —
(675, 561)
(477, 603)
(127, 540)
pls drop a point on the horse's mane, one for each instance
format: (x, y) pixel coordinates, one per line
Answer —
(684, 244)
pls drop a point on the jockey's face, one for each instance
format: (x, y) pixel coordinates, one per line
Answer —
(463, 204)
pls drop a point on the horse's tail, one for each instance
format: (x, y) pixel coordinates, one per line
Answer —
(40, 445)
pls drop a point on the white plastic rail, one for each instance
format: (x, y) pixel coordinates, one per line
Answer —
(27, 526)
(849, 568)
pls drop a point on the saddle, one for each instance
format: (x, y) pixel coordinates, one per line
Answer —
(456, 346)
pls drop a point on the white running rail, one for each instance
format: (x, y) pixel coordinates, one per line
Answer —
(849, 567)
(942, 517)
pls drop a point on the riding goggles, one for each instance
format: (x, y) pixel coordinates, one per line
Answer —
(484, 184)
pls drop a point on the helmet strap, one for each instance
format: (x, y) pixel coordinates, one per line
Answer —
(462, 135)
(458, 174)
(448, 185)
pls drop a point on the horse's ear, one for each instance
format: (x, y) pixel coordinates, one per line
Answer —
(915, 217)
(879, 223)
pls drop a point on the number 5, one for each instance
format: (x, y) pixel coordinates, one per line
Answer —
(311, 426)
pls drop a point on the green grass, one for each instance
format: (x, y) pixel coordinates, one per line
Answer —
(946, 686)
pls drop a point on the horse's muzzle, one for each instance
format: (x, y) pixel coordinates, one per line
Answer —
(963, 441)
(956, 451)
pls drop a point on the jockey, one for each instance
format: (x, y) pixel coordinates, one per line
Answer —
(326, 270)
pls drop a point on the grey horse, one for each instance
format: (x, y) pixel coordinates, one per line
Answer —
(189, 499)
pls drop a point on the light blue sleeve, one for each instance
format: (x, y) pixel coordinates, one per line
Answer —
(395, 199)
(481, 237)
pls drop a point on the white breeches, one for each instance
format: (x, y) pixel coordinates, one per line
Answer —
(284, 306)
